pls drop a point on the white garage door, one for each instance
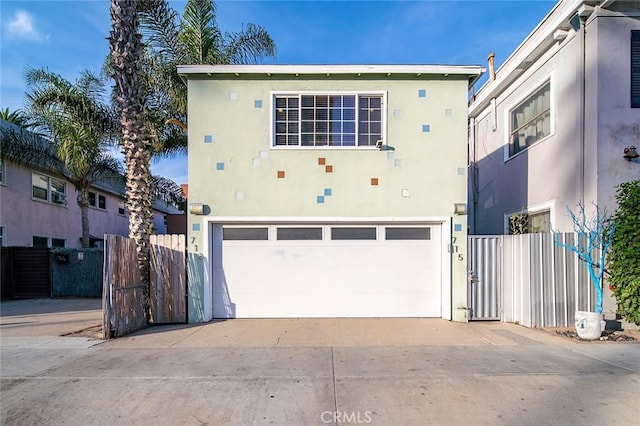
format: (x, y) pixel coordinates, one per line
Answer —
(308, 270)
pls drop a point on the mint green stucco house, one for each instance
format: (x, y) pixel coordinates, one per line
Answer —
(327, 190)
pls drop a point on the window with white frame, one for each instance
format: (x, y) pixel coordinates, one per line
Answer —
(121, 208)
(328, 120)
(49, 189)
(3, 237)
(530, 121)
(97, 200)
(530, 223)
(39, 241)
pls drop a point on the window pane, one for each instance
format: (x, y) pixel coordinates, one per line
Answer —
(58, 186)
(121, 208)
(40, 187)
(353, 233)
(299, 234)
(349, 101)
(321, 139)
(540, 222)
(57, 242)
(246, 234)
(307, 139)
(307, 101)
(322, 101)
(92, 199)
(422, 233)
(281, 139)
(531, 120)
(349, 140)
(102, 202)
(349, 114)
(281, 102)
(40, 241)
(293, 140)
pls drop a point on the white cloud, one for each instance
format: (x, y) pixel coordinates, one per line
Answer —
(22, 26)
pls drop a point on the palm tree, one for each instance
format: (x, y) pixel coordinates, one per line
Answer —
(126, 62)
(17, 117)
(193, 38)
(77, 127)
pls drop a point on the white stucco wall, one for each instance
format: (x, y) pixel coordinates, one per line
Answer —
(558, 172)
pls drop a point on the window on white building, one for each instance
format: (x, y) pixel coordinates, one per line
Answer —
(530, 121)
(328, 120)
(97, 200)
(3, 236)
(121, 208)
(49, 189)
(530, 223)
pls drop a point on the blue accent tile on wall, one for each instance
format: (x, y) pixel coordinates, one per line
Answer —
(327, 191)
(195, 227)
(457, 227)
(257, 103)
(208, 138)
(219, 166)
(320, 199)
(422, 93)
(426, 128)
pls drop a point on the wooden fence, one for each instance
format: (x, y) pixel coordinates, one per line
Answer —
(168, 279)
(123, 304)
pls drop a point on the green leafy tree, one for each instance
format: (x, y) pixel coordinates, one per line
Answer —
(17, 117)
(624, 257)
(191, 38)
(78, 129)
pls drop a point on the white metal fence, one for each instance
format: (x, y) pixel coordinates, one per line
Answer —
(527, 279)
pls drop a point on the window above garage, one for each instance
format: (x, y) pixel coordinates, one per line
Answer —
(328, 120)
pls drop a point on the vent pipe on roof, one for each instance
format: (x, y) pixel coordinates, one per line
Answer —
(492, 71)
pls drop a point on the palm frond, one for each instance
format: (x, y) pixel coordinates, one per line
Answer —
(27, 148)
(167, 191)
(198, 30)
(159, 26)
(248, 46)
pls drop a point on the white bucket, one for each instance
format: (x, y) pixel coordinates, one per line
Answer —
(589, 325)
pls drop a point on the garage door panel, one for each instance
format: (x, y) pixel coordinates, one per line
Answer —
(328, 278)
(322, 305)
(337, 280)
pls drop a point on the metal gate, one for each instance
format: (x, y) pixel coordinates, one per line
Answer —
(485, 277)
(26, 272)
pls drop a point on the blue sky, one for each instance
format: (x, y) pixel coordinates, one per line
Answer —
(69, 36)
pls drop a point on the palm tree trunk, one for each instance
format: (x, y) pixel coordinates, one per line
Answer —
(126, 54)
(83, 202)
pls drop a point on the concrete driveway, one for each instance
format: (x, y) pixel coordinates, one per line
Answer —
(321, 371)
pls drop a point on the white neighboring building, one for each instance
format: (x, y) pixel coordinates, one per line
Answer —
(552, 127)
